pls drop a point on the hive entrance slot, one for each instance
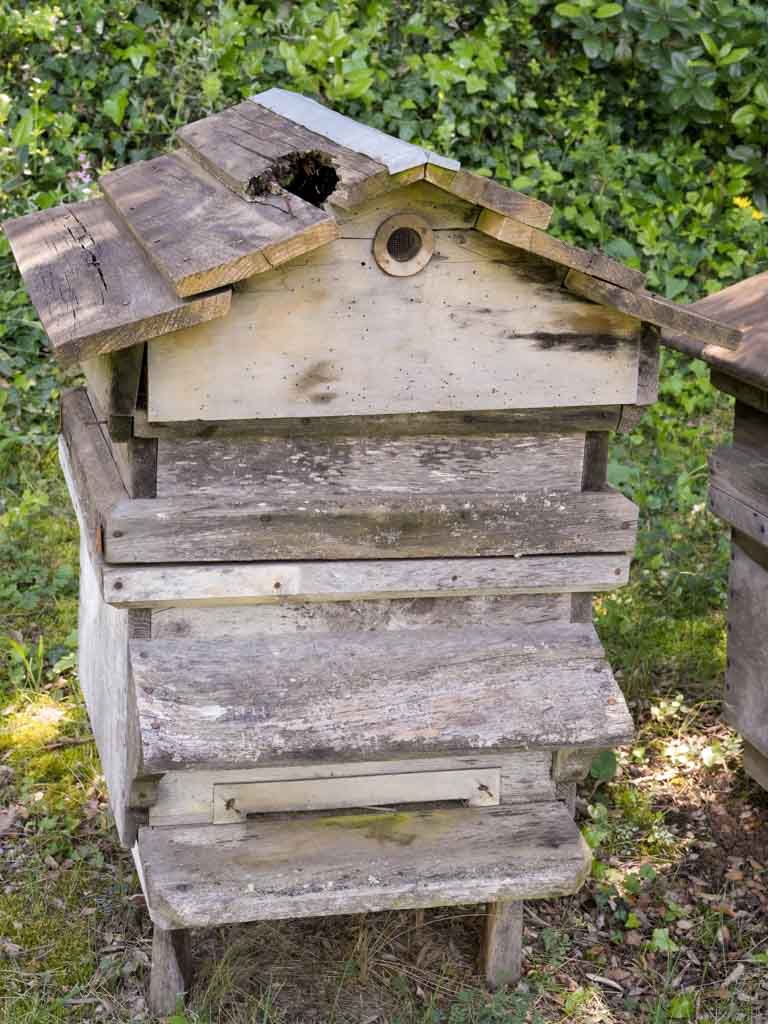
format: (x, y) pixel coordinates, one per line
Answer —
(309, 175)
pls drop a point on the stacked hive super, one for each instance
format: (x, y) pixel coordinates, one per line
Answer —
(341, 524)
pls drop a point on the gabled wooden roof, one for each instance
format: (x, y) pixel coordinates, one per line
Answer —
(743, 306)
(249, 189)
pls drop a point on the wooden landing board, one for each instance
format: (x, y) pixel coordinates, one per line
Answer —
(394, 153)
(199, 234)
(745, 307)
(242, 145)
(156, 586)
(738, 490)
(756, 765)
(245, 621)
(745, 704)
(373, 695)
(342, 864)
(595, 263)
(359, 526)
(92, 286)
(654, 309)
(489, 194)
(186, 797)
(257, 468)
(483, 327)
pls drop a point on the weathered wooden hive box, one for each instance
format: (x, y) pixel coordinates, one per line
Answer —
(340, 469)
(738, 493)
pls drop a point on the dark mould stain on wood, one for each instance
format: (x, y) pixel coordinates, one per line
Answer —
(546, 340)
(310, 175)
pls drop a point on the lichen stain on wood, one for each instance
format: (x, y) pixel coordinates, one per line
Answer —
(318, 375)
(388, 827)
(310, 175)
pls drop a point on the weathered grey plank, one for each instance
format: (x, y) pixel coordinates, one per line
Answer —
(199, 234)
(742, 474)
(749, 394)
(95, 475)
(344, 696)
(395, 526)
(234, 802)
(749, 521)
(171, 969)
(574, 419)
(244, 621)
(745, 704)
(247, 145)
(497, 199)
(648, 366)
(153, 586)
(654, 309)
(92, 286)
(395, 154)
(503, 943)
(103, 635)
(255, 468)
(441, 210)
(342, 864)
(483, 326)
(521, 234)
(756, 765)
(750, 428)
(186, 797)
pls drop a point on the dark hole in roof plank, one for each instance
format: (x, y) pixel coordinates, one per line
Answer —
(310, 175)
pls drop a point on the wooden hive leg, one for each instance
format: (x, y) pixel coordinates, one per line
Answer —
(171, 969)
(502, 950)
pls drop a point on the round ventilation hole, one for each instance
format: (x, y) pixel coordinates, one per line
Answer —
(403, 245)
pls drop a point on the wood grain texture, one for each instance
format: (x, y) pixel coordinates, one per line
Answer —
(745, 704)
(199, 234)
(514, 231)
(171, 970)
(155, 586)
(395, 526)
(750, 394)
(241, 622)
(186, 797)
(257, 468)
(92, 286)
(503, 943)
(750, 428)
(656, 310)
(242, 144)
(394, 153)
(752, 522)
(95, 474)
(481, 327)
(756, 765)
(103, 636)
(485, 192)
(341, 864)
(743, 306)
(648, 367)
(574, 419)
(441, 210)
(742, 474)
(235, 802)
(322, 696)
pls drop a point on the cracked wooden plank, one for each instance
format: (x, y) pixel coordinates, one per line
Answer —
(199, 234)
(242, 145)
(344, 864)
(482, 191)
(363, 696)
(92, 286)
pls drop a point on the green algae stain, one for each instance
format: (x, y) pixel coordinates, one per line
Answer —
(386, 828)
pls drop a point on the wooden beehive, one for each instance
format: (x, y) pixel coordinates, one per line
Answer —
(340, 471)
(738, 493)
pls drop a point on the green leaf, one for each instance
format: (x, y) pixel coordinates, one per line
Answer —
(608, 10)
(569, 11)
(592, 46)
(682, 1007)
(705, 98)
(744, 116)
(734, 56)
(662, 943)
(211, 86)
(114, 106)
(24, 130)
(760, 94)
(709, 44)
(603, 766)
